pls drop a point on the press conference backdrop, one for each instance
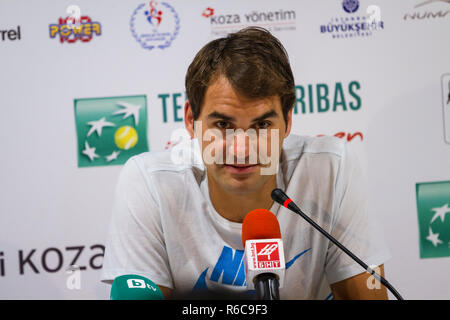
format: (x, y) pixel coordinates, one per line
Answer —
(87, 84)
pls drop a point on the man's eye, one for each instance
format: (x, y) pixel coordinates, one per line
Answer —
(222, 125)
(263, 125)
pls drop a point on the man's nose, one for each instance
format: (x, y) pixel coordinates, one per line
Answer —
(240, 146)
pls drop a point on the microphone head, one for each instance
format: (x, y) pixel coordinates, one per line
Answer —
(279, 196)
(260, 224)
(134, 287)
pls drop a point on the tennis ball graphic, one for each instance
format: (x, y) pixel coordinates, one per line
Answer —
(125, 137)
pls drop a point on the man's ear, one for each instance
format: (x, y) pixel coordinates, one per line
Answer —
(189, 118)
(289, 123)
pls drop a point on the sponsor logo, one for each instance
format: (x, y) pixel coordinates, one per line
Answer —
(433, 201)
(316, 98)
(136, 283)
(75, 27)
(208, 12)
(346, 135)
(445, 79)
(266, 255)
(223, 23)
(52, 260)
(352, 24)
(172, 106)
(324, 98)
(110, 130)
(230, 270)
(429, 10)
(10, 34)
(154, 25)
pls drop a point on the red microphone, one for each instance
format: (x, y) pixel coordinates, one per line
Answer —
(260, 224)
(264, 255)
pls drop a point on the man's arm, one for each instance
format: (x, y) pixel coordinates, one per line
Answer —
(167, 292)
(135, 243)
(358, 230)
(358, 288)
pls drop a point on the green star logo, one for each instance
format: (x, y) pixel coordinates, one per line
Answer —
(433, 201)
(110, 130)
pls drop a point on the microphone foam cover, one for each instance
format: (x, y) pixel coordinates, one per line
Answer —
(260, 224)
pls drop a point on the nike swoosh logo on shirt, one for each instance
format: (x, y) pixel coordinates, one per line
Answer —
(201, 281)
(291, 262)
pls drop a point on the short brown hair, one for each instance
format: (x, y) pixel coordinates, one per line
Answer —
(255, 63)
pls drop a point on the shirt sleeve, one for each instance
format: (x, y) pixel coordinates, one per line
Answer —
(135, 243)
(352, 224)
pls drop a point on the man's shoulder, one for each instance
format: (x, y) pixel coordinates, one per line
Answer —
(294, 146)
(182, 157)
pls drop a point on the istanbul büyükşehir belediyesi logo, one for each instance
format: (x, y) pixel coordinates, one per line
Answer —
(110, 130)
(433, 201)
(354, 24)
(154, 25)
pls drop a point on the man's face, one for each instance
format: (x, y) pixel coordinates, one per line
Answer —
(240, 138)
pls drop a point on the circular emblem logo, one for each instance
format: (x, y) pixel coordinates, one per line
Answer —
(154, 25)
(350, 6)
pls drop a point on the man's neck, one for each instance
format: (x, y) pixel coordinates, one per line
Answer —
(234, 206)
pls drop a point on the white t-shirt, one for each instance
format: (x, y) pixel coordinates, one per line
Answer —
(164, 226)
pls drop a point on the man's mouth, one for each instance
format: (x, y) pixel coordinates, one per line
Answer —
(241, 168)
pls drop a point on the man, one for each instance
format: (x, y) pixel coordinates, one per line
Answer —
(180, 223)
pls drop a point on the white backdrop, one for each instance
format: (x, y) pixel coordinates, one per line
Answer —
(387, 84)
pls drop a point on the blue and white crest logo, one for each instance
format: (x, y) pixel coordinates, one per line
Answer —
(350, 6)
(353, 25)
(154, 25)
